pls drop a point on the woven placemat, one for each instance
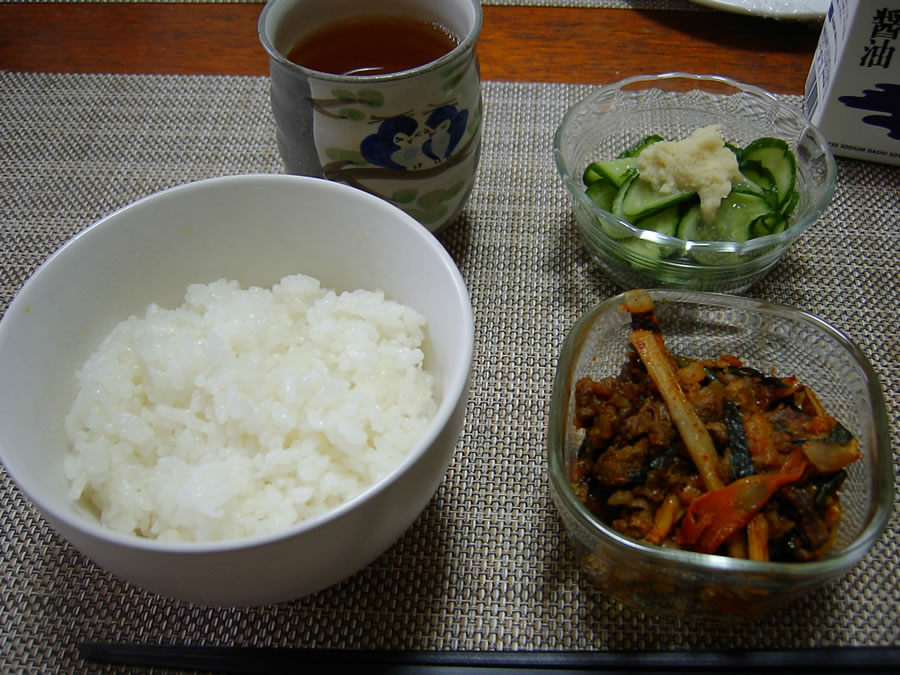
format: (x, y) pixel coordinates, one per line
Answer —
(486, 566)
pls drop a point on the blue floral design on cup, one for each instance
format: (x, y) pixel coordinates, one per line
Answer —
(398, 144)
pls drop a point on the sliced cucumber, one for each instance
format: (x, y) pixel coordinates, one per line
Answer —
(645, 249)
(622, 192)
(760, 202)
(771, 223)
(615, 171)
(736, 214)
(775, 156)
(758, 175)
(602, 194)
(641, 200)
(664, 222)
(638, 147)
(790, 204)
(759, 180)
(779, 225)
(764, 225)
(690, 224)
(734, 148)
(589, 176)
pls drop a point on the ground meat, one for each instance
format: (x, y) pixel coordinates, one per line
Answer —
(707, 401)
(633, 459)
(624, 465)
(650, 421)
(600, 406)
(719, 432)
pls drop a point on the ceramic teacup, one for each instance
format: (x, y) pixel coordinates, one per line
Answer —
(411, 137)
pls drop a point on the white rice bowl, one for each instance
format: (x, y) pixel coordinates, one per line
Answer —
(246, 411)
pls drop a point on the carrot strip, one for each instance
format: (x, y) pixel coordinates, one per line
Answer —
(714, 516)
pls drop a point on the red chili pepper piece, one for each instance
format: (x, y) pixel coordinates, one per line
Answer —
(716, 515)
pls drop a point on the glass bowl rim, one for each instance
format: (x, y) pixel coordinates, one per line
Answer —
(876, 518)
(782, 238)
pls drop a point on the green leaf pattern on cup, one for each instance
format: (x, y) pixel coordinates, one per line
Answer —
(371, 97)
(342, 98)
(404, 196)
(430, 207)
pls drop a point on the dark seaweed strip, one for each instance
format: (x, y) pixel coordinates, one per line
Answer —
(810, 526)
(828, 488)
(645, 321)
(741, 462)
(667, 459)
(746, 371)
(752, 373)
(839, 435)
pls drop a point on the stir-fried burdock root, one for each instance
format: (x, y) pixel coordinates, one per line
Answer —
(710, 456)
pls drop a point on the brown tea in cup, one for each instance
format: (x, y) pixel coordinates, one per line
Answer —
(376, 45)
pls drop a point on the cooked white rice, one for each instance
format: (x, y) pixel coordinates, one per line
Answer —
(245, 411)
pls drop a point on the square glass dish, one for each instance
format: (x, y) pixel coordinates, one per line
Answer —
(775, 340)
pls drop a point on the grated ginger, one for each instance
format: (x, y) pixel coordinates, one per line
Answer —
(699, 163)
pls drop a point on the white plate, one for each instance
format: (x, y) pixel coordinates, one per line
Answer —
(801, 10)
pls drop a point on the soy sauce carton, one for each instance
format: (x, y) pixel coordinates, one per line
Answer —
(853, 88)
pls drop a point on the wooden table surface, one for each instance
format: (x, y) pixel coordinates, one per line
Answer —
(526, 44)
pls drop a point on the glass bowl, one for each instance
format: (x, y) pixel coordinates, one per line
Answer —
(669, 581)
(614, 117)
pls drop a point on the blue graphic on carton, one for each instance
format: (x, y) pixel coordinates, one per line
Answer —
(885, 98)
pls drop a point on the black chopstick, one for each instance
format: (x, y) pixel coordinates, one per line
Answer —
(275, 659)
